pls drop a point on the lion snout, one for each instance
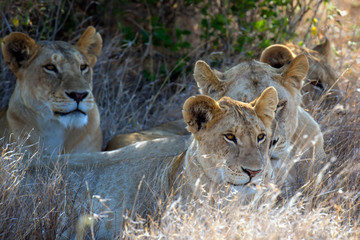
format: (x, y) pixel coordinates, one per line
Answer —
(251, 173)
(77, 96)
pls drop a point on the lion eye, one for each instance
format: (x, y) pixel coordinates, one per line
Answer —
(83, 67)
(51, 67)
(280, 106)
(317, 83)
(230, 137)
(261, 137)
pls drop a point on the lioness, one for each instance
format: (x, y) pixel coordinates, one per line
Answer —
(320, 82)
(167, 129)
(319, 87)
(296, 134)
(53, 100)
(228, 152)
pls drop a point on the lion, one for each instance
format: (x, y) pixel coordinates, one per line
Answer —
(227, 150)
(319, 89)
(296, 135)
(52, 102)
(167, 129)
(320, 85)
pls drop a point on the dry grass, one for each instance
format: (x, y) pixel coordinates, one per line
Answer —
(327, 207)
(38, 204)
(130, 103)
(45, 206)
(298, 218)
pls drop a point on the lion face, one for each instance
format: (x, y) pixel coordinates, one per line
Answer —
(320, 85)
(53, 93)
(247, 80)
(231, 137)
(59, 84)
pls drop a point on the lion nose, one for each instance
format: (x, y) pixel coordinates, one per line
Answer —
(251, 173)
(77, 96)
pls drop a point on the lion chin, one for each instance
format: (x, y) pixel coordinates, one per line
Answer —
(248, 188)
(73, 119)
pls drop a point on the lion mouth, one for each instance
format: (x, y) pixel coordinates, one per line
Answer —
(238, 184)
(248, 184)
(71, 112)
(235, 184)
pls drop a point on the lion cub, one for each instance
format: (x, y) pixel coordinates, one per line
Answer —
(52, 102)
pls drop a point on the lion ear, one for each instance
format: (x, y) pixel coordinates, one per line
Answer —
(17, 49)
(90, 44)
(198, 111)
(207, 79)
(265, 105)
(324, 49)
(294, 74)
(277, 55)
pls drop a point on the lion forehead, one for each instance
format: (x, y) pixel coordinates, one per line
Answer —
(247, 81)
(60, 52)
(320, 70)
(240, 120)
(56, 57)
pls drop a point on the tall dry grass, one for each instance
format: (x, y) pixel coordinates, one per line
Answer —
(326, 207)
(38, 203)
(45, 206)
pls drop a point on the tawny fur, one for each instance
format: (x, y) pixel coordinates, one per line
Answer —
(41, 109)
(295, 133)
(320, 85)
(141, 177)
(167, 129)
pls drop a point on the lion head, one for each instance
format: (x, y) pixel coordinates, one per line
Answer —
(321, 80)
(294, 130)
(230, 138)
(247, 80)
(53, 94)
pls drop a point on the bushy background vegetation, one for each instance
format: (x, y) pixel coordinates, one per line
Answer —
(143, 76)
(150, 47)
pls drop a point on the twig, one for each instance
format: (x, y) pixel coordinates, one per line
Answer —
(66, 17)
(56, 20)
(315, 12)
(6, 21)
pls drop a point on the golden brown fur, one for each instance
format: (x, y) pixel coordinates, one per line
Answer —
(228, 150)
(167, 129)
(52, 100)
(320, 85)
(230, 139)
(296, 134)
